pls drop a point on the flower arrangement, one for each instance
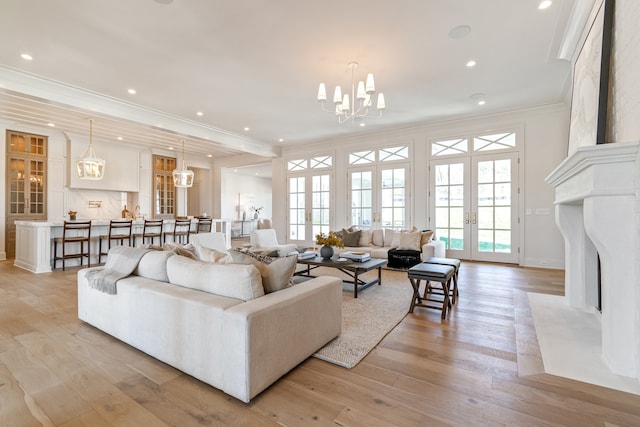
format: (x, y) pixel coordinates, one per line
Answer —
(330, 240)
(72, 213)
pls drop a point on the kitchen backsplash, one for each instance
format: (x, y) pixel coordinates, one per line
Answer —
(96, 204)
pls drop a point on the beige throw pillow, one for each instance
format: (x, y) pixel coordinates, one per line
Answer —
(212, 255)
(425, 237)
(187, 250)
(365, 238)
(409, 240)
(276, 272)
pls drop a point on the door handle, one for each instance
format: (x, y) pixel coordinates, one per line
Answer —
(473, 218)
(466, 217)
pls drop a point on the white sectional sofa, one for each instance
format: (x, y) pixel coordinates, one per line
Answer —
(377, 243)
(213, 321)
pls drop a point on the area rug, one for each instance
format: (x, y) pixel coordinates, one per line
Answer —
(366, 320)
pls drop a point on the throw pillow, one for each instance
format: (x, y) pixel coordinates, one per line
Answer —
(351, 238)
(212, 255)
(425, 237)
(276, 272)
(187, 250)
(409, 240)
(377, 237)
(365, 238)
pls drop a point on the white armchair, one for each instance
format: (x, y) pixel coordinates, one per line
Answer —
(265, 239)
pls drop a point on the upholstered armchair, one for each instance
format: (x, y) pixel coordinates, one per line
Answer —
(266, 239)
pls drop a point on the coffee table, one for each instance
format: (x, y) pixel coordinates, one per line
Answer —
(349, 267)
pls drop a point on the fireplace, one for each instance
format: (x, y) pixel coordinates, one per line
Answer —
(597, 198)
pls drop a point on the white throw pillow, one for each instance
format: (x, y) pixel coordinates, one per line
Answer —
(409, 240)
(377, 237)
(276, 272)
(212, 255)
(365, 238)
(153, 265)
(228, 280)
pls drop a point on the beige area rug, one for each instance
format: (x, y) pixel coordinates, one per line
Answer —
(367, 319)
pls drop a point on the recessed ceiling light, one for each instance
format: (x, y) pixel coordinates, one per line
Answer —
(247, 128)
(132, 91)
(471, 63)
(362, 125)
(200, 113)
(209, 155)
(281, 140)
(482, 102)
(545, 4)
(119, 138)
(459, 32)
(26, 56)
(171, 148)
(51, 125)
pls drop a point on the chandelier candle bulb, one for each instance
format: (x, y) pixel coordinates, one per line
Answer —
(337, 95)
(371, 87)
(361, 93)
(322, 92)
(381, 105)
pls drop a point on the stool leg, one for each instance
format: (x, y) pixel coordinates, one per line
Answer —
(445, 300)
(416, 293)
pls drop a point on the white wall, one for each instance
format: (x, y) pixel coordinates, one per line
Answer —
(234, 184)
(545, 145)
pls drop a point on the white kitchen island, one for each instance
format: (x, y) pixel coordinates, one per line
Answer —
(34, 240)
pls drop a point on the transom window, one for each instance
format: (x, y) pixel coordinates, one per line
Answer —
(480, 143)
(381, 155)
(319, 162)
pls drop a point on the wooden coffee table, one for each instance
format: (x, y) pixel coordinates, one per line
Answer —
(350, 268)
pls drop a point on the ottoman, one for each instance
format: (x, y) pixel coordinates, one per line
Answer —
(403, 259)
(453, 262)
(431, 273)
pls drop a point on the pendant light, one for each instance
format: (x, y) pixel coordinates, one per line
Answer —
(89, 165)
(183, 177)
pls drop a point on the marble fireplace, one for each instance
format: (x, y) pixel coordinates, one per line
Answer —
(597, 208)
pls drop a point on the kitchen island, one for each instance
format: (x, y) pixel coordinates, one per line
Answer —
(34, 240)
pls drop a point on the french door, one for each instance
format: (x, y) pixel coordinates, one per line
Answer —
(309, 207)
(378, 196)
(474, 201)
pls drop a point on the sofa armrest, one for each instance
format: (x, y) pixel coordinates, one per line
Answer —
(434, 248)
(268, 336)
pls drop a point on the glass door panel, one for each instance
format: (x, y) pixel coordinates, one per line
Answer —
(297, 205)
(320, 204)
(495, 203)
(309, 207)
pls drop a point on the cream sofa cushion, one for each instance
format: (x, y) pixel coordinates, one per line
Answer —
(377, 237)
(409, 240)
(229, 280)
(153, 265)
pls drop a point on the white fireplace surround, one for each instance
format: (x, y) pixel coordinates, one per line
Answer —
(597, 198)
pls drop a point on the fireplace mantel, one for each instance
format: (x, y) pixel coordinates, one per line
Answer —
(597, 198)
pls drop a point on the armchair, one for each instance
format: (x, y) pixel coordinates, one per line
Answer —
(265, 239)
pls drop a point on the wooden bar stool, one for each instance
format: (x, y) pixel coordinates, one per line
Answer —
(431, 273)
(73, 232)
(453, 262)
(181, 230)
(119, 231)
(204, 225)
(151, 229)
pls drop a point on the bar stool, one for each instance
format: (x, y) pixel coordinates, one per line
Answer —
(151, 229)
(453, 262)
(431, 273)
(120, 231)
(73, 232)
(204, 225)
(180, 231)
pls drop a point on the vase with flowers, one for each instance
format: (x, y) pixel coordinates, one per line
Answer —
(72, 215)
(256, 211)
(328, 241)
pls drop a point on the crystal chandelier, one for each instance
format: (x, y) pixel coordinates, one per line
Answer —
(89, 165)
(359, 108)
(183, 177)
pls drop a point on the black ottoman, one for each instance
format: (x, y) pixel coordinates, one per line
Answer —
(403, 259)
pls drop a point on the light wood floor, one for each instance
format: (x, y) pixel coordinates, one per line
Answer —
(469, 370)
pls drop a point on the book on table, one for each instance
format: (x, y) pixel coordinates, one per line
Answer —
(306, 255)
(356, 256)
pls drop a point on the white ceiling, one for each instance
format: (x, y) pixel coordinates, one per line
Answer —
(257, 64)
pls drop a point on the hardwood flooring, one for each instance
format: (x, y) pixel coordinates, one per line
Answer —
(471, 369)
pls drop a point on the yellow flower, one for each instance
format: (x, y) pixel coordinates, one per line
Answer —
(72, 213)
(330, 240)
